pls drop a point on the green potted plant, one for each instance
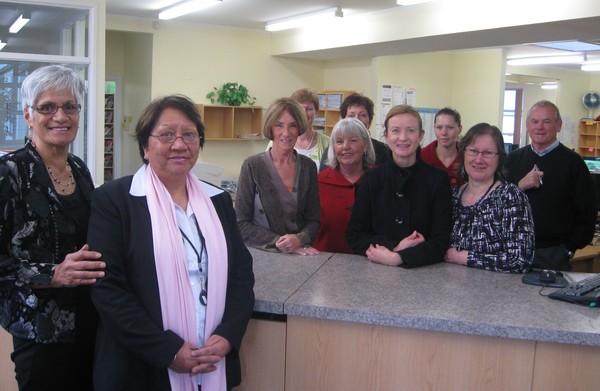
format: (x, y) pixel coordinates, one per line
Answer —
(231, 94)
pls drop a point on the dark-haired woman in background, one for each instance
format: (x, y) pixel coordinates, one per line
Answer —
(443, 151)
(493, 224)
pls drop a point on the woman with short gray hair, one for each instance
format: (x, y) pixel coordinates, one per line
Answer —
(46, 267)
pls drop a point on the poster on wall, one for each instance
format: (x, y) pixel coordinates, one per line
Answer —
(386, 94)
(568, 134)
(399, 95)
(411, 97)
(428, 117)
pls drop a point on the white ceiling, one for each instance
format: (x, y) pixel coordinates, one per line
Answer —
(250, 14)
(253, 14)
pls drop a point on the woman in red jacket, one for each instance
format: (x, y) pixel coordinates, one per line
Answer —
(351, 153)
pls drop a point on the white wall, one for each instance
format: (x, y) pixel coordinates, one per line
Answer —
(129, 60)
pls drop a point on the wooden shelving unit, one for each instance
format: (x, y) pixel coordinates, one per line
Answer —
(589, 139)
(329, 110)
(231, 122)
(109, 132)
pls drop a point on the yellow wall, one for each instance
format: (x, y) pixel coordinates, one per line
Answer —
(191, 59)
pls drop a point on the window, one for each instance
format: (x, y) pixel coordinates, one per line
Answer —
(53, 35)
(511, 119)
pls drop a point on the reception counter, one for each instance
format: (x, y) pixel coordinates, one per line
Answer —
(339, 322)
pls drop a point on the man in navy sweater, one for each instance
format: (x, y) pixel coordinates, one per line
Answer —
(559, 187)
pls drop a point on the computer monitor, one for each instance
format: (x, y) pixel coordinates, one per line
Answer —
(510, 147)
(593, 164)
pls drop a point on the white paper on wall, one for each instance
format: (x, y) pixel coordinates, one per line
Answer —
(411, 97)
(399, 94)
(386, 94)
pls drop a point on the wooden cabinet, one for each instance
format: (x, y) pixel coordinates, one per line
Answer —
(329, 110)
(589, 138)
(109, 133)
(231, 122)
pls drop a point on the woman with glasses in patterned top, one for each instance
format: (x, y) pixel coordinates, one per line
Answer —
(46, 266)
(493, 225)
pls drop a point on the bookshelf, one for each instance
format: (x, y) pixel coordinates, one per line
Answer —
(589, 139)
(329, 110)
(231, 122)
(109, 134)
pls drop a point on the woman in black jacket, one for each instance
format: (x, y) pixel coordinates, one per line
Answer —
(402, 213)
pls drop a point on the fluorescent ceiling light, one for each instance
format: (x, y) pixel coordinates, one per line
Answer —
(573, 46)
(19, 23)
(413, 2)
(2, 44)
(591, 67)
(186, 7)
(549, 85)
(545, 60)
(325, 16)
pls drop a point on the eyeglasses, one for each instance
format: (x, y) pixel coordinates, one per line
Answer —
(485, 154)
(51, 108)
(170, 138)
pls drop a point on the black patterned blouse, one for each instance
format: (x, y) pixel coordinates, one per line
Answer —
(37, 229)
(497, 230)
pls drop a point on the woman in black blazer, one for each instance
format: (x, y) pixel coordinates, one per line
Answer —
(161, 321)
(402, 212)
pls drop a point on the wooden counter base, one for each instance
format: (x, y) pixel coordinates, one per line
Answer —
(334, 355)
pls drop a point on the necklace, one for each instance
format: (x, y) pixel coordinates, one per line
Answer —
(66, 185)
(310, 142)
(482, 196)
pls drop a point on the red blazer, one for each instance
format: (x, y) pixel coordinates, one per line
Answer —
(337, 198)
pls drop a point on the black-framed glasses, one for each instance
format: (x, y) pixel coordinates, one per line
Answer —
(486, 154)
(51, 108)
(170, 138)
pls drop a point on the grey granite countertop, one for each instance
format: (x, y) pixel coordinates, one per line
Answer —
(278, 276)
(441, 297)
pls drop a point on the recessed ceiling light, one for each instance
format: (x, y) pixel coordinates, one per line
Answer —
(572, 46)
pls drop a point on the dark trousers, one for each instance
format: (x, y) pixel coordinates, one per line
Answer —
(52, 367)
(552, 258)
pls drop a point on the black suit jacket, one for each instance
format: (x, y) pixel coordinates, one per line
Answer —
(133, 351)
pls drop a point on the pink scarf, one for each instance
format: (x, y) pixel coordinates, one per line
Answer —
(176, 298)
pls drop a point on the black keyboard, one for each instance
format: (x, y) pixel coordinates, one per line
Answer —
(585, 292)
